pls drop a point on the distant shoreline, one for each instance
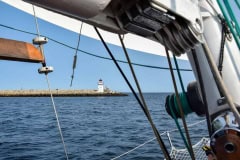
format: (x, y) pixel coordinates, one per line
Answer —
(58, 93)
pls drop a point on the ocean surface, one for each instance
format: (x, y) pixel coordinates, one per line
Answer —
(94, 128)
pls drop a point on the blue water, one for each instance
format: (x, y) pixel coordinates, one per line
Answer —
(94, 128)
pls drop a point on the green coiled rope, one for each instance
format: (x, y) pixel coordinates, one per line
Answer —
(184, 102)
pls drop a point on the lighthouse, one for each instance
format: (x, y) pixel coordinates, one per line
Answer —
(100, 86)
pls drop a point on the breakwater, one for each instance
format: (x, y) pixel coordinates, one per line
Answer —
(57, 93)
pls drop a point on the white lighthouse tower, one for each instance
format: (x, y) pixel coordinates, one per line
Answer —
(100, 86)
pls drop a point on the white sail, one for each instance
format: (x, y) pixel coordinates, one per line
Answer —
(132, 41)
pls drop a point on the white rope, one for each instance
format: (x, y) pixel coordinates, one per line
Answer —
(36, 22)
(190, 125)
(56, 115)
(38, 32)
(217, 77)
(134, 149)
(141, 145)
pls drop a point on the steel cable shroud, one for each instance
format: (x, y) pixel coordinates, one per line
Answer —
(160, 141)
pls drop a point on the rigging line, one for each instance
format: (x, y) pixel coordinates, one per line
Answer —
(238, 3)
(139, 146)
(179, 128)
(38, 34)
(48, 83)
(202, 88)
(56, 115)
(161, 143)
(212, 6)
(75, 56)
(180, 105)
(225, 31)
(169, 140)
(233, 17)
(90, 54)
(173, 113)
(190, 125)
(179, 74)
(106, 58)
(222, 20)
(36, 21)
(229, 21)
(128, 83)
(219, 81)
(150, 140)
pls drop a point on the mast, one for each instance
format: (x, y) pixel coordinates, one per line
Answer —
(224, 118)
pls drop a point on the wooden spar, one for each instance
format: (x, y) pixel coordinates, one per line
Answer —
(19, 51)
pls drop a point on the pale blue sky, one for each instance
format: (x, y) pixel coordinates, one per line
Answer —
(19, 75)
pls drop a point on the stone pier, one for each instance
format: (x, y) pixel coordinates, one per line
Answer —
(57, 93)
